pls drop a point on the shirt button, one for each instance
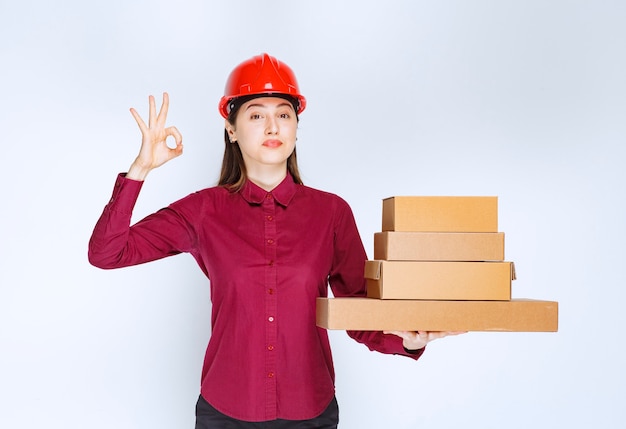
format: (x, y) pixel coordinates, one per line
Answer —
(270, 347)
(270, 241)
(271, 318)
(268, 196)
(270, 291)
(270, 218)
(270, 263)
(270, 375)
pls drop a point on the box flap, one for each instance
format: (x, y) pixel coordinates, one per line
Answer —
(373, 269)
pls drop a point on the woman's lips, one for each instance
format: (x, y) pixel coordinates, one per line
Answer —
(272, 143)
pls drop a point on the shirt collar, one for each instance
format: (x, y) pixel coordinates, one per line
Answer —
(283, 193)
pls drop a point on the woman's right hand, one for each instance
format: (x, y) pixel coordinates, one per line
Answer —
(154, 150)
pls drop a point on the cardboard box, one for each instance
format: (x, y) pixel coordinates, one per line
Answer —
(439, 246)
(481, 281)
(440, 214)
(366, 314)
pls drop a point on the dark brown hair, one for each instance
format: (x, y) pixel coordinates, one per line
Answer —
(233, 174)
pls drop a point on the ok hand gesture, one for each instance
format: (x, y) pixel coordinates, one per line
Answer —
(154, 150)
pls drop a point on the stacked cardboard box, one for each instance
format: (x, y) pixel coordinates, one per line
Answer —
(439, 266)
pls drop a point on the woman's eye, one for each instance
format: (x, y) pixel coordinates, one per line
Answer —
(285, 115)
(255, 116)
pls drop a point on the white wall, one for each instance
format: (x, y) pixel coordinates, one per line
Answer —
(525, 100)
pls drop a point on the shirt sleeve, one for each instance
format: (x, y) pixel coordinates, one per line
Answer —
(347, 279)
(114, 243)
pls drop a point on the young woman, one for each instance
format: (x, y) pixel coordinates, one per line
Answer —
(269, 246)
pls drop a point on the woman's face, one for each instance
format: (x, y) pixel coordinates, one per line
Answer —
(265, 129)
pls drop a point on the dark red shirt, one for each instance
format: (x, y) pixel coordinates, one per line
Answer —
(268, 255)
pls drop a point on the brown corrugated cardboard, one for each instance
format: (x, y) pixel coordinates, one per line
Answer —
(481, 281)
(439, 246)
(366, 314)
(440, 214)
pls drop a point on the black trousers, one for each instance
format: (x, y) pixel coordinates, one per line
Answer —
(208, 417)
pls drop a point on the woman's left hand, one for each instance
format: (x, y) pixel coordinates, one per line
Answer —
(415, 340)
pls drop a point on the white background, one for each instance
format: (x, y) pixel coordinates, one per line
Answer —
(525, 100)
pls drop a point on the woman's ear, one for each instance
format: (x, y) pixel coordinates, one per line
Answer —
(231, 131)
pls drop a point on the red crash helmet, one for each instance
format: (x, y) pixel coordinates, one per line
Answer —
(262, 74)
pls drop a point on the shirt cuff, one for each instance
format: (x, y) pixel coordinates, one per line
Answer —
(125, 193)
(414, 352)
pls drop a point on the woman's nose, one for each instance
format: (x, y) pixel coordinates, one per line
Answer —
(272, 126)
